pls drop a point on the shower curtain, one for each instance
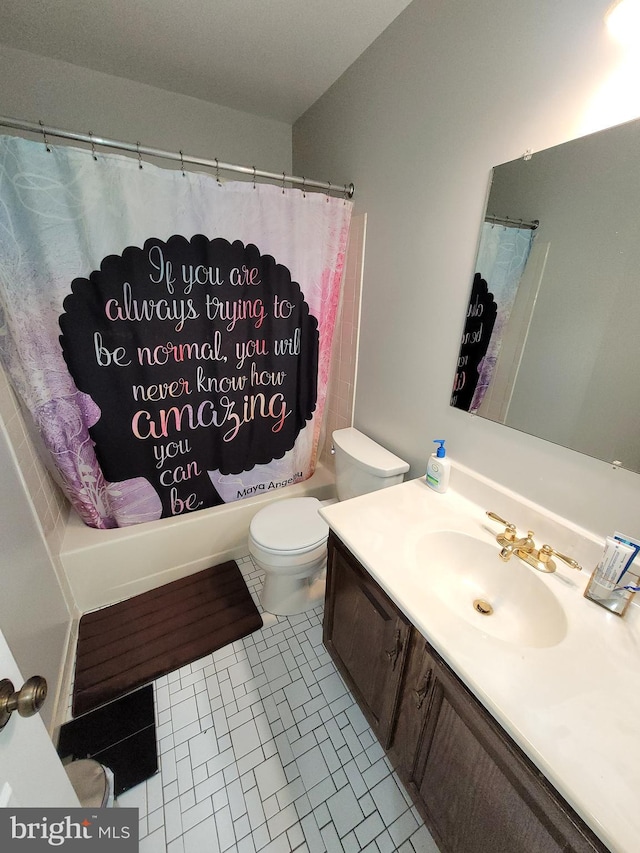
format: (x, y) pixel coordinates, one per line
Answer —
(169, 332)
(502, 257)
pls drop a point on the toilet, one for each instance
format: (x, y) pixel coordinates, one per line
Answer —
(288, 538)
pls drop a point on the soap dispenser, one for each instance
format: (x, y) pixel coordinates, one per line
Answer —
(438, 468)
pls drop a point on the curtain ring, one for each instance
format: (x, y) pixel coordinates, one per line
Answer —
(328, 191)
(139, 155)
(217, 172)
(44, 134)
(254, 177)
(304, 190)
(346, 194)
(283, 177)
(93, 146)
(182, 164)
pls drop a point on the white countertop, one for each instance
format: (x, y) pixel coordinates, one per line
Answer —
(573, 707)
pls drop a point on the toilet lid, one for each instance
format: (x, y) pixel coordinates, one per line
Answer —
(290, 525)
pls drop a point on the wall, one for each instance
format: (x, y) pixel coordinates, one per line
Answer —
(62, 95)
(448, 91)
(33, 616)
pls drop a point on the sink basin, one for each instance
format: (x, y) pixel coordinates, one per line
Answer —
(504, 600)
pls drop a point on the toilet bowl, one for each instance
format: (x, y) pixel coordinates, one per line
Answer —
(288, 538)
(288, 541)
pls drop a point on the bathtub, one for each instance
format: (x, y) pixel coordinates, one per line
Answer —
(106, 566)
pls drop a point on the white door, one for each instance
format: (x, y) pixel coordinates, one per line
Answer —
(31, 773)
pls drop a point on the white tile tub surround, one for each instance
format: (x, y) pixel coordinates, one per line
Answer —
(263, 750)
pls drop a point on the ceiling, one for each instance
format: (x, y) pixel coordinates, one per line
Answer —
(268, 57)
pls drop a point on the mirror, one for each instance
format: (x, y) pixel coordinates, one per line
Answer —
(551, 344)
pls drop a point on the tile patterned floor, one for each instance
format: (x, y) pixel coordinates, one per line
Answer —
(263, 750)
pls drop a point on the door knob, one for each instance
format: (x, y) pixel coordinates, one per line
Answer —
(27, 701)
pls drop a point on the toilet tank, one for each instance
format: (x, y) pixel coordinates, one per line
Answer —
(362, 465)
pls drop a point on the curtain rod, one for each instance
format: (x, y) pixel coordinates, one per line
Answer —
(18, 124)
(513, 223)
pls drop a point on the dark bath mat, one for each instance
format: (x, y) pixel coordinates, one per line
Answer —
(120, 735)
(131, 643)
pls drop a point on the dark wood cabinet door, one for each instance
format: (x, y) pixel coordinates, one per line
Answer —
(412, 710)
(479, 792)
(367, 637)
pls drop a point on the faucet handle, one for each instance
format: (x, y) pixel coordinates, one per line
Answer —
(526, 543)
(509, 534)
(545, 554)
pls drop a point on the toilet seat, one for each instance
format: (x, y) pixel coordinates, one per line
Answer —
(292, 526)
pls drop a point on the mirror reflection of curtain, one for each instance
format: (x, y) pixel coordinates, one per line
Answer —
(502, 257)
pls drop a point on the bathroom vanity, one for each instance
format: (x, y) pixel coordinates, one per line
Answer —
(505, 733)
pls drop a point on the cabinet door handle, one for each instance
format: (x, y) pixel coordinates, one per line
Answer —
(421, 692)
(393, 653)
